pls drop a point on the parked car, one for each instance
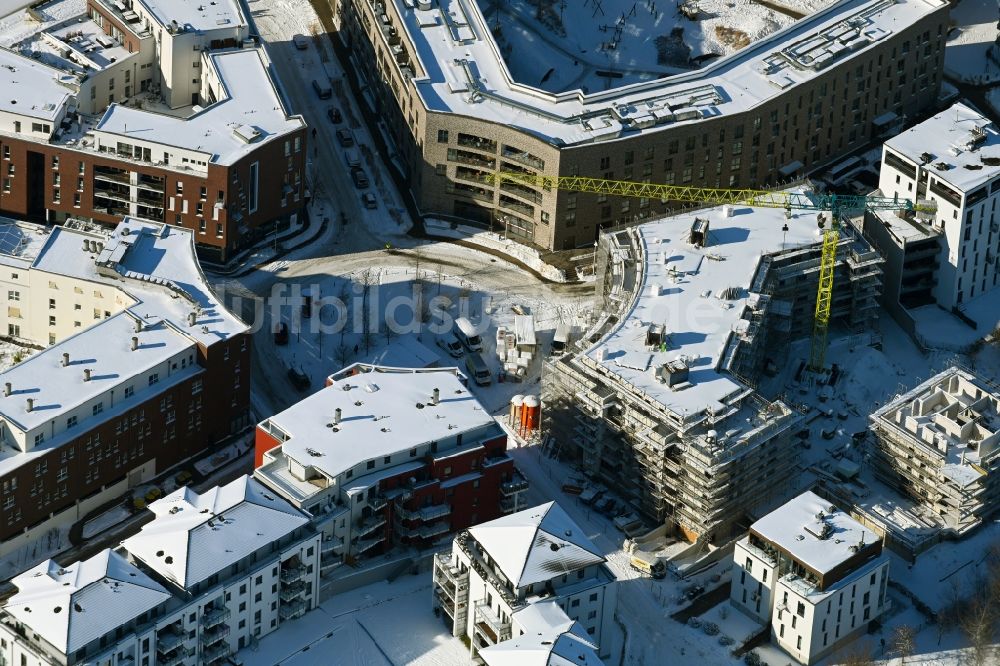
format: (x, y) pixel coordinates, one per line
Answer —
(281, 333)
(609, 507)
(369, 201)
(447, 342)
(345, 137)
(359, 177)
(626, 520)
(571, 489)
(323, 90)
(153, 494)
(299, 379)
(301, 42)
(183, 478)
(333, 113)
(591, 495)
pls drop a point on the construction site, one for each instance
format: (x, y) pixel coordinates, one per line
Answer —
(658, 400)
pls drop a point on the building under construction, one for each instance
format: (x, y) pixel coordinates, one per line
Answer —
(657, 401)
(939, 444)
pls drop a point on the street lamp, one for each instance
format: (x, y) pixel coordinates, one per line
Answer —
(784, 235)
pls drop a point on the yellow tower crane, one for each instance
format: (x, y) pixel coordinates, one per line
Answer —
(836, 204)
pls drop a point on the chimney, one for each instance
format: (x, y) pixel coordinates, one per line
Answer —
(86, 374)
(86, 245)
(7, 389)
(436, 396)
(138, 325)
(65, 359)
(135, 343)
(192, 318)
(30, 404)
(336, 416)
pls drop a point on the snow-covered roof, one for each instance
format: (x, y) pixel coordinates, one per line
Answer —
(72, 606)
(550, 638)
(903, 229)
(812, 533)
(701, 295)
(198, 15)
(383, 412)
(959, 146)
(536, 545)
(464, 71)
(20, 242)
(80, 45)
(32, 89)
(248, 98)
(195, 536)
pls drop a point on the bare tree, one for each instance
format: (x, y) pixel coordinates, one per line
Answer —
(418, 295)
(979, 625)
(860, 655)
(903, 641)
(342, 354)
(344, 294)
(368, 279)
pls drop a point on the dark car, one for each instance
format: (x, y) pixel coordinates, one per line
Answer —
(281, 333)
(359, 177)
(345, 138)
(333, 113)
(299, 379)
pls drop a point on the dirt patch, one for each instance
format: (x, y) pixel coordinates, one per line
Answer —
(732, 37)
(672, 49)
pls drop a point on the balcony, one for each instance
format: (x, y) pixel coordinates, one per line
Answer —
(292, 609)
(479, 143)
(292, 574)
(377, 502)
(524, 158)
(489, 625)
(334, 546)
(215, 653)
(214, 617)
(293, 591)
(121, 177)
(214, 635)
(169, 641)
(370, 525)
(426, 513)
(508, 504)
(516, 485)
(364, 545)
(175, 658)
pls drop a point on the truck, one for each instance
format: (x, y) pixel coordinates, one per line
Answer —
(477, 367)
(467, 335)
(645, 562)
(560, 339)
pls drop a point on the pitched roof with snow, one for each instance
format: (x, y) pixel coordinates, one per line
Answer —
(536, 545)
(195, 536)
(70, 607)
(550, 638)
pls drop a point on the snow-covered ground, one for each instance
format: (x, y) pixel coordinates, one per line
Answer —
(377, 625)
(976, 29)
(53, 541)
(597, 44)
(11, 354)
(103, 521)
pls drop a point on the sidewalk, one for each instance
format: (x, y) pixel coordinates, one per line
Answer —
(236, 264)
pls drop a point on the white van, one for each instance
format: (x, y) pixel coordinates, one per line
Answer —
(467, 335)
(477, 367)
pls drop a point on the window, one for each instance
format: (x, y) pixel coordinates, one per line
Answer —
(13, 295)
(749, 566)
(70, 422)
(442, 136)
(798, 643)
(153, 378)
(52, 321)
(98, 408)
(800, 609)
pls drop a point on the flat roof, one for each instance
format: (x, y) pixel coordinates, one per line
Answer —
(200, 15)
(904, 229)
(465, 73)
(79, 44)
(20, 242)
(815, 535)
(701, 295)
(104, 349)
(248, 98)
(33, 89)
(959, 146)
(197, 535)
(71, 606)
(383, 412)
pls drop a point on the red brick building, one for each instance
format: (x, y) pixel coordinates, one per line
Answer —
(386, 456)
(140, 373)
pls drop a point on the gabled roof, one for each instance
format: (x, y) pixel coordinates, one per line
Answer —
(536, 545)
(70, 607)
(550, 638)
(195, 536)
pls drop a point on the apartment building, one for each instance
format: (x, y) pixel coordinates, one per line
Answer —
(388, 456)
(534, 572)
(211, 574)
(812, 572)
(142, 367)
(543, 635)
(454, 115)
(657, 400)
(939, 445)
(67, 150)
(952, 159)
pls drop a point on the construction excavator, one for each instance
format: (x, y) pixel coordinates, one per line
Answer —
(837, 205)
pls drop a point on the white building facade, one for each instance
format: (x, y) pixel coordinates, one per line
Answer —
(211, 574)
(812, 572)
(498, 570)
(953, 160)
